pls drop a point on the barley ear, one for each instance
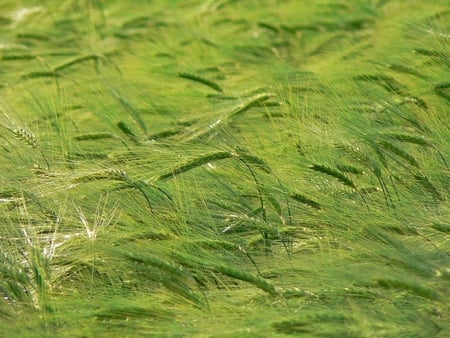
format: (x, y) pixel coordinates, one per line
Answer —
(201, 80)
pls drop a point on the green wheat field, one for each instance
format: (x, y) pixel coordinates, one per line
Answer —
(224, 168)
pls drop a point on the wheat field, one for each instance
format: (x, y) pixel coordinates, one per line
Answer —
(224, 168)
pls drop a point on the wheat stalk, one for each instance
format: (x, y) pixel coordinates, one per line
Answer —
(201, 80)
(129, 108)
(197, 162)
(246, 277)
(80, 59)
(128, 132)
(39, 74)
(442, 90)
(334, 173)
(26, 136)
(120, 175)
(306, 200)
(93, 136)
(387, 82)
(399, 152)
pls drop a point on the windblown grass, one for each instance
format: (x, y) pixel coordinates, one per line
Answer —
(224, 168)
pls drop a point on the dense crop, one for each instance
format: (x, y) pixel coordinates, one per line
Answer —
(224, 168)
